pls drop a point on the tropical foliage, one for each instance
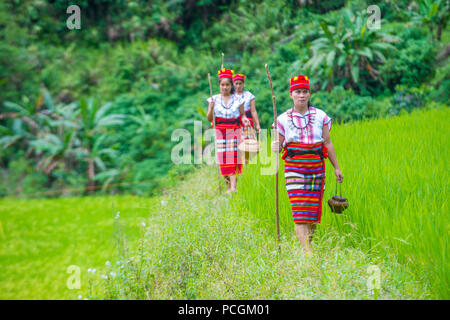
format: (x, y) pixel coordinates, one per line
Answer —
(432, 14)
(349, 53)
(94, 108)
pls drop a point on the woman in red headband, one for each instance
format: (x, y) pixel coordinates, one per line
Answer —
(304, 134)
(249, 109)
(249, 104)
(228, 109)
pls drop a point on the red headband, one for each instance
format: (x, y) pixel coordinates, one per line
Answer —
(238, 76)
(299, 81)
(225, 73)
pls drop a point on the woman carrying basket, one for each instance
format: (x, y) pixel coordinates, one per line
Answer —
(249, 109)
(249, 101)
(228, 109)
(304, 135)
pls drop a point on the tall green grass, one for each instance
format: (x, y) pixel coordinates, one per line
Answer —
(396, 179)
(41, 238)
(199, 247)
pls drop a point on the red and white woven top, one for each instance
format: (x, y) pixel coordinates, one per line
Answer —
(306, 128)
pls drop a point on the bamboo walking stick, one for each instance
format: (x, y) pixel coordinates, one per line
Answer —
(276, 160)
(222, 59)
(215, 142)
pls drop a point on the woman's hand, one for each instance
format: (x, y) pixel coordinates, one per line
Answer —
(339, 175)
(258, 129)
(245, 121)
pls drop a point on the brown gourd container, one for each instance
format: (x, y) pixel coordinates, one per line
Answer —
(338, 203)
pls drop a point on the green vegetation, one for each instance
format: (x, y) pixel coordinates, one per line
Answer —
(398, 202)
(41, 238)
(212, 247)
(206, 249)
(197, 244)
(147, 66)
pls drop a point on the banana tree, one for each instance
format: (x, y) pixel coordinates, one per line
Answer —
(15, 135)
(96, 158)
(34, 116)
(55, 150)
(432, 14)
(26, 113)
(344, 51)
(94, 121)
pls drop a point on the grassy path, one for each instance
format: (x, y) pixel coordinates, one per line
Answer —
(200, 248)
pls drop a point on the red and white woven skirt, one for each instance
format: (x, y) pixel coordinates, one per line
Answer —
(228, 137)
(304, 172)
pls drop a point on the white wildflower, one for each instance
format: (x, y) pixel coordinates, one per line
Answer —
(108, 264)
(104, 276)
(163, 203)
(118, 215)
(113, 274)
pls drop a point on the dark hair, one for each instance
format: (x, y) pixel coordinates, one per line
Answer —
(233, 90)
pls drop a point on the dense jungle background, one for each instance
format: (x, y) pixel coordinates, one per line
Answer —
(93, 109)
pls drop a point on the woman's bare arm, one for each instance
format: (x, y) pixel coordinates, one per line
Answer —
(255, 116)
(209, 115)
(331, 153)
(244, 119)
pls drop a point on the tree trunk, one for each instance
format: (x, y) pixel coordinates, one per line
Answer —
(443, 55)
(439, 31)
(91, 174)
(348, 74)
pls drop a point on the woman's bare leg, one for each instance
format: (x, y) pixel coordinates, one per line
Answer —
(227, 181)
(312, 229)
(247, 157)
(233, 183)
(303, 233)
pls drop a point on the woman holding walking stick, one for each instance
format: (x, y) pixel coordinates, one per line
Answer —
(304, 135)
(228, 109)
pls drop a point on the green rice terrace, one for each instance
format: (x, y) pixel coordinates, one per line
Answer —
(192, 243)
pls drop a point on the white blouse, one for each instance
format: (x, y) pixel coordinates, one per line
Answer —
(305, 128)
(247, 96)
(228, 111)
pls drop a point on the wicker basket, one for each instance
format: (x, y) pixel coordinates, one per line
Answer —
(249, 143)
(338, 203)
